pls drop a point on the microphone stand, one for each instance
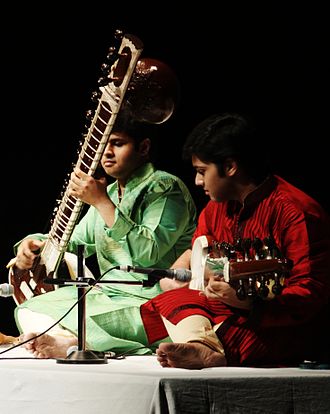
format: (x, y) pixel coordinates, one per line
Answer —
(82, 355)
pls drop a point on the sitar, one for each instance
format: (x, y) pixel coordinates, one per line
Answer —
(147, 87)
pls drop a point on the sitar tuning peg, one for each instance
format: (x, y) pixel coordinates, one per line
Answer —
(112, 56)
(89, 115)
(119, 34)
(96, 95)
(103, 81)
(105, 68)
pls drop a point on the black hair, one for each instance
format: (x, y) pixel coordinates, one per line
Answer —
(138, 130)
(229, 135)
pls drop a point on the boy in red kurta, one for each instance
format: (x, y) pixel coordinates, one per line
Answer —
(248, 205)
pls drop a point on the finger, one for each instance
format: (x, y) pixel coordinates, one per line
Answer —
(210, 293)
(39, 243)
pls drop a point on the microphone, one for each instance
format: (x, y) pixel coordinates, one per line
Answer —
(183, 275)
(6, 290)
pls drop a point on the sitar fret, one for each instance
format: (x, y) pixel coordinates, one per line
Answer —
(70, 207)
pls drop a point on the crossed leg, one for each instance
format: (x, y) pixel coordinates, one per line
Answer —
(53, 344)
(195, 345)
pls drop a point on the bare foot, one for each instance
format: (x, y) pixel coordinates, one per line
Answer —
(7, 339)
(47, 346)
(191, 355)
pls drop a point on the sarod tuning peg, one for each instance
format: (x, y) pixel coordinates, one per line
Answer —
(240, 291)
(263, 289)
(251, 291)
(277, 287)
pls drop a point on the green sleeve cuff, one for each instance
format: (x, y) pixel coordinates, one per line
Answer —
(122, 226)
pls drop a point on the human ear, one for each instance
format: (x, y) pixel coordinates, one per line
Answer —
(230, 167)
(144, 147)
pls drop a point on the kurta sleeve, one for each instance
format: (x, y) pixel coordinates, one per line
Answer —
(84, 233)
(164, 215)
(305, 241)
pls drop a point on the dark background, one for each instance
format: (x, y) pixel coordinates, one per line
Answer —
(268, 61)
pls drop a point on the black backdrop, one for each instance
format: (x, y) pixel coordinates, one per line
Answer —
(268, 61)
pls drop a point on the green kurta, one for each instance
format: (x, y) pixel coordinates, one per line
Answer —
(154, 225)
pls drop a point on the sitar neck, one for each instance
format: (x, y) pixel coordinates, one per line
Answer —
(112, 94)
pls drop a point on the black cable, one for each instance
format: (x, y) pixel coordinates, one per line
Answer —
(126, 353)
(33, 358)
(109, 355)
(62, 317)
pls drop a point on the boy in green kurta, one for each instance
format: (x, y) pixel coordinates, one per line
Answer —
(145, 218)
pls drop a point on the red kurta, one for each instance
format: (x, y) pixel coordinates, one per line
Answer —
(294, 325)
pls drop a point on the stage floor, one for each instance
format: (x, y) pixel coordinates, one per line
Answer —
(139, 385)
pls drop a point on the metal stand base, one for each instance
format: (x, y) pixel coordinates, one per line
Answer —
(81, 355)
(84, 357)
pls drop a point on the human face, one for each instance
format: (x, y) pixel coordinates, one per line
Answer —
(121, 157)
(207, 176)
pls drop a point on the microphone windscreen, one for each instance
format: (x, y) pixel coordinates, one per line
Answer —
(183, 275)
(6, 290)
